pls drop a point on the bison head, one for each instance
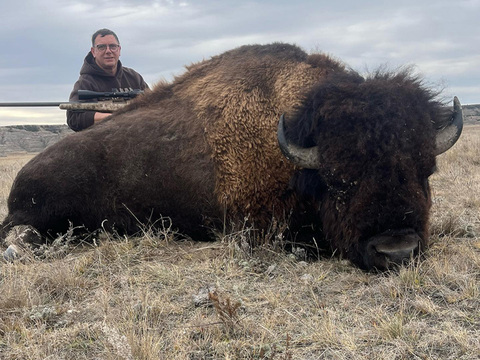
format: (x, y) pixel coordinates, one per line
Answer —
(365, 149)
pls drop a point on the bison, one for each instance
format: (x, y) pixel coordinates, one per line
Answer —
(258, 132)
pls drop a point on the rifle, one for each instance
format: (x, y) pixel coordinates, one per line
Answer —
(108, 101)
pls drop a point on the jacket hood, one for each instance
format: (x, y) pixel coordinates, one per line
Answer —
(90, 67)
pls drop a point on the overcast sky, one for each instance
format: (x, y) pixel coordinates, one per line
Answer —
(44, 42)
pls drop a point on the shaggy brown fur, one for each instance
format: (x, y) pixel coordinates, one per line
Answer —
(205, 145)
(376, 138)
(237, 98)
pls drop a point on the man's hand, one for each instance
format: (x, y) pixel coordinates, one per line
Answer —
(99, 116)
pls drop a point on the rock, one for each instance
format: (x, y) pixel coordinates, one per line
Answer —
(202, 297)
(306, 278)
(12, 253)
(271, 269)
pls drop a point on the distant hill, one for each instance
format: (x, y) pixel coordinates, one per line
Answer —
(30, 138)
(471, 113)
(35, 138)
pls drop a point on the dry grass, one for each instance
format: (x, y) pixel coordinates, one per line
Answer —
(151, 297)
(9, 166)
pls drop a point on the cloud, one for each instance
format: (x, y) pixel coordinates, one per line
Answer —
(42, 55)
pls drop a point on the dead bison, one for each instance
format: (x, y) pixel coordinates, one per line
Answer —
(357, 154)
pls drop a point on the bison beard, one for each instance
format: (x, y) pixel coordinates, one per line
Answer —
(360, 151)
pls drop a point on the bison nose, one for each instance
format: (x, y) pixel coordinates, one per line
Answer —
(388, 250)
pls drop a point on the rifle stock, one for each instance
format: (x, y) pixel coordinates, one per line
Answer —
(101, 106)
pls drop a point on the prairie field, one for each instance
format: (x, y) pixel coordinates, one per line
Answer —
(160, 296)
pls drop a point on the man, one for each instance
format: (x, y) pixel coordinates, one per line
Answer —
(102, 71)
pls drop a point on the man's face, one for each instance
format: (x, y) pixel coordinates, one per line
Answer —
(106, 58)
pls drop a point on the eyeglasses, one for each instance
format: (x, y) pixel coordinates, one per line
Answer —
(103, 47)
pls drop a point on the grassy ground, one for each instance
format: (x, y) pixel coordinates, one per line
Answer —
(158, 297)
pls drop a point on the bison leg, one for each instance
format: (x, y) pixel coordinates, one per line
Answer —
(17, 238)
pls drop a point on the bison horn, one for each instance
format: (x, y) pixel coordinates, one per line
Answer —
(449, 135)
(302, 157)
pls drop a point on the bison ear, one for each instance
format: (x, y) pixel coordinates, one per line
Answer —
(449, 135)
(306, 158)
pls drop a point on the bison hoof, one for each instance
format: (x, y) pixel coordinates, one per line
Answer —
(23, 234)
(11, 253)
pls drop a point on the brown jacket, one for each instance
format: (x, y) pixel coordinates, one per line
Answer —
(92, 77)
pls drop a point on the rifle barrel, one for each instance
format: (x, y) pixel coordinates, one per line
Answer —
(31, 104)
